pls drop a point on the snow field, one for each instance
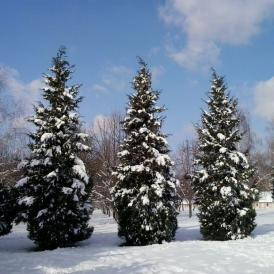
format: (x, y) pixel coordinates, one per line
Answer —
(186, 254)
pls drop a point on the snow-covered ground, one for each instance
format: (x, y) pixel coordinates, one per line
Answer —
(102, 253)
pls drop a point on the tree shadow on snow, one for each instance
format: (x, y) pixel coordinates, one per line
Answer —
(20, 243)
(98, 247)
(191, 233)
(263, 230)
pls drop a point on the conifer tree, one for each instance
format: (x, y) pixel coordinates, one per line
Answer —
(144, 196)
(55, 188)
(8, 208)
(221, 183)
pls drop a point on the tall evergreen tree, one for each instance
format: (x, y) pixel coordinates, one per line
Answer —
(221, 182)
(55, 188)
(144, 196)
(8, 208)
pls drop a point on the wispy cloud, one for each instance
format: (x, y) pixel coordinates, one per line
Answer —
(154, 51)
(209, 24)
(98, 88)
(23, 94)
(264, 98)
(98, 122)
(115, 78)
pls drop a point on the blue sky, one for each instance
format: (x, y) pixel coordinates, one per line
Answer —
(180, 39)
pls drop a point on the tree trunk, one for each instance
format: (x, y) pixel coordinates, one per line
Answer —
(190, 209)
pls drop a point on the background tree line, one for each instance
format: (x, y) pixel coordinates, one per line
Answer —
(105, 137)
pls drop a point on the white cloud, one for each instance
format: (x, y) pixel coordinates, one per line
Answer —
(23, 94)
(115, 78)
(264, 99)
(98, 122)
(210, 24)
(101, 123)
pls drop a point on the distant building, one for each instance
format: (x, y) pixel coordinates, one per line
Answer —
(265, 200)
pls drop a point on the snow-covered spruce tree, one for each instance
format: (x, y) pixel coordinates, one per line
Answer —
(144, 195)
(8, 208)
(55, 188)
(221, 182)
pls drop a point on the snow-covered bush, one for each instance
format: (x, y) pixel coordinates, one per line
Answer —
(144, 196)
(221, 182)
(55, 188)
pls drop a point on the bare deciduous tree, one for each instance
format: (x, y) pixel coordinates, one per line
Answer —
(247, 142)
(184, 170)
(13, 139)
(263, 158)
(106, 136)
